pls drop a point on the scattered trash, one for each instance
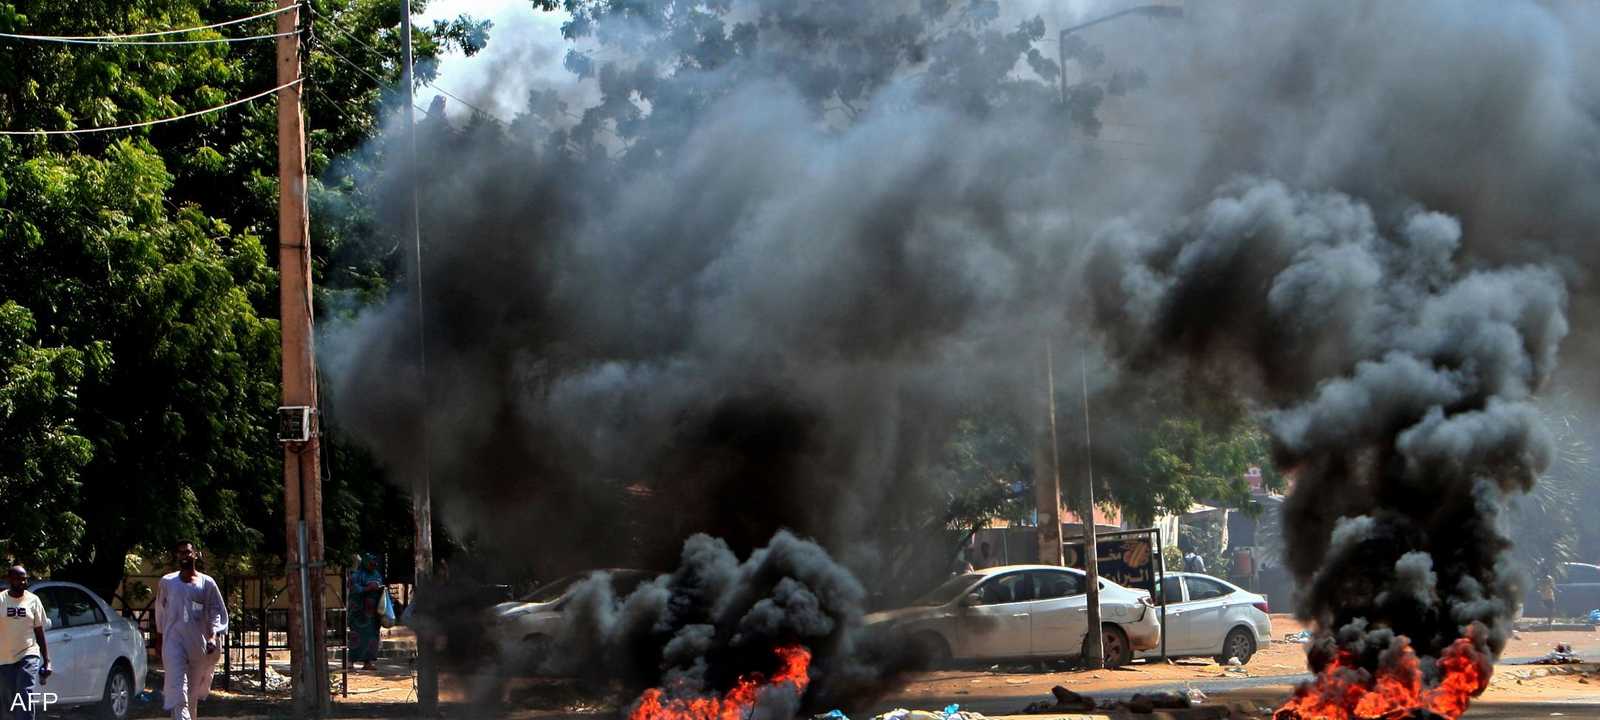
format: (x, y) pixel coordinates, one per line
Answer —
(831, 715)
(1562, 655)
(1196, 696)
(1234, 662)
(1594, 617)
(1299, 637)
(1065, 701)
(1016, 681)
(895, 714)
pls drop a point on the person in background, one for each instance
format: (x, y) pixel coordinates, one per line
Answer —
(1192, 562)
(985, 559)
(1547, 593)
(365, 609)
(24, 656)
(190, 619)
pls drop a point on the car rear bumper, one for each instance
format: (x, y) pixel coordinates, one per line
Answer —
(1144, 633)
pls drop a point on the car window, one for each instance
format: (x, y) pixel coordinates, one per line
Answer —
(552, 590)
(1170, 590)
(1205, 589)
(1016, 587)
(1048, 585)
(949, 590)
(52, 607)
(78, 609)
(1582, 574)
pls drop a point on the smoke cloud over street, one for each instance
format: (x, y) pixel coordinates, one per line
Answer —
(756, 282)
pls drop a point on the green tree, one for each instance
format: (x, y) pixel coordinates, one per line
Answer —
(175, 402)
(44, 451)
(139, 370)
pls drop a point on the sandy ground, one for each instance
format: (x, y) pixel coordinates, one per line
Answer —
(1518, 690)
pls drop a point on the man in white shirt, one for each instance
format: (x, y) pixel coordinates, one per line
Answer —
(190, 619)
(24, 656)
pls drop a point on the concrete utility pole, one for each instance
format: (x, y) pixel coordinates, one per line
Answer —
(1094, 652)
(1093, 641)
(421, 488)
(1047, 478)
(302, 472)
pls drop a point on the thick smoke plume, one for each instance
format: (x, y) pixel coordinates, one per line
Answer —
(695, 630)
(1403, 393)
(759, 280)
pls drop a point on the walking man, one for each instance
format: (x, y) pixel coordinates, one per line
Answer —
(190, 617)
(24, 657)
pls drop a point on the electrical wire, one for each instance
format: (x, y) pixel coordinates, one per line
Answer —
(379, 53)
(106, 43)
(224, 23)
(147, 123)
(353, 66)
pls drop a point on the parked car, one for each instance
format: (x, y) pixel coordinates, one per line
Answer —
(1577, 592)
(525, 627)
(1021, 611)
(1211, 617)
(98, 657)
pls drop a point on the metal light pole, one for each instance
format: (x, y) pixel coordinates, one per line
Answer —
(1093, 640)
(421, 487)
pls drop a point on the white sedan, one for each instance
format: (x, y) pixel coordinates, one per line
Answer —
(1021, 611)
(528, 626)
(1210, 617)
(98, 657)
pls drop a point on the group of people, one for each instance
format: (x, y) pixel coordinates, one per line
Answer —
(190, 619)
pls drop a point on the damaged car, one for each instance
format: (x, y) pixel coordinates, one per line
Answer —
(1021, 612)
(527, 626)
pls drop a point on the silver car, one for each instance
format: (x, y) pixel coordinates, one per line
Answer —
(1021, 611)
(528, 625)
(1211, 617)
(98, 657)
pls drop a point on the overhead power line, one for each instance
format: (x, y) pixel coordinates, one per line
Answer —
(130, 126)
(207, 41)
(114, 38)
(379, 54)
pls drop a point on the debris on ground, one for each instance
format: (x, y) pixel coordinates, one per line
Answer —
(1185, 705)
(1301, 637)
(252, 680)
(1594, 617)
(1562, 655)
(1065, 701)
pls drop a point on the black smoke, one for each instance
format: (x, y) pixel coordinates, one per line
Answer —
(696, 630)
(840, 226)
(1398, 386)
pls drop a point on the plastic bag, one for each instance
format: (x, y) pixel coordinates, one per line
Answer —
(387, 616)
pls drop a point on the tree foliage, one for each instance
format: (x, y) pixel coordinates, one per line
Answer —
(138, 350)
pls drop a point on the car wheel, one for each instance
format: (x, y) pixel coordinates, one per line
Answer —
(118, 698)
(1240, 644)
(930, 651)
(1117, 651)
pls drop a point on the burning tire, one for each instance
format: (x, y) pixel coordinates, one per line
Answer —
(1239, 644)
(1114, 644)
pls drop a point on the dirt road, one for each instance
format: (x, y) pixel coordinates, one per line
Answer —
(1517, 690)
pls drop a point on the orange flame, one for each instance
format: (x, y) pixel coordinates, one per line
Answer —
(793, 670)
(1343, 691)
